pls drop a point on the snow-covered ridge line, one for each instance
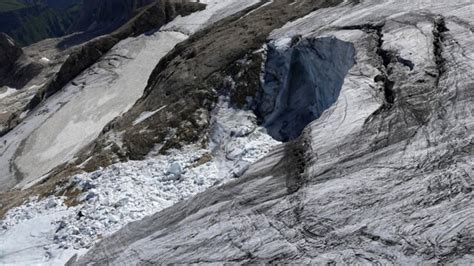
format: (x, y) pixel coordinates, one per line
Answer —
(215, 10)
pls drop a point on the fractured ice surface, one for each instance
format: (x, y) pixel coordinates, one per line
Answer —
(300, 82)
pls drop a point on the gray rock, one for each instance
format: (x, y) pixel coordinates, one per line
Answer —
(86, 185)
(90, 195)
(51, 204)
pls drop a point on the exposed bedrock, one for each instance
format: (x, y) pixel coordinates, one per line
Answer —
(9, 51)
(300, 82)
(15, 69)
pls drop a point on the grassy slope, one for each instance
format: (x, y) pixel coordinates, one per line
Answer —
(50, 23)
(39, 25)
(10, 5)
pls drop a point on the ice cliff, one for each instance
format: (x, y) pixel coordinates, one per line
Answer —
(284, 131)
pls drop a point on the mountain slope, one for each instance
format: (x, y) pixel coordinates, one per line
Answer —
(64, 78)
(105, 15)
(10, 5)
(371, 100)
(371, 181)
(32, 21)
(110, 86)
(28, 23)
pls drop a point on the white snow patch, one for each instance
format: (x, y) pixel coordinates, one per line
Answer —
(7, 91)
(10, 41)
(256, 9)
(215, 11)
(145, 115)
(282, 43)
(236, 138)
(24, 114)
(44, 60)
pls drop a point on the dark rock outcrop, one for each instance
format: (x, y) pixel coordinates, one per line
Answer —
(15, 69)
(9, 52)
(98, 18)
(40, 20)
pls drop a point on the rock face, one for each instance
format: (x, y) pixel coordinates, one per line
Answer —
(15, 69)
(9, 51)
(384, 175)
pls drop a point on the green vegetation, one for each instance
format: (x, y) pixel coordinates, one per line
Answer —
(10, 5)
(31, 24)
(49, 23)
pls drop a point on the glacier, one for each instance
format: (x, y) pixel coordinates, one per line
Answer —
(382, 176)
(284, 131)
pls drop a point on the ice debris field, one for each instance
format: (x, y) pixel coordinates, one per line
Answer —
(110, 198)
